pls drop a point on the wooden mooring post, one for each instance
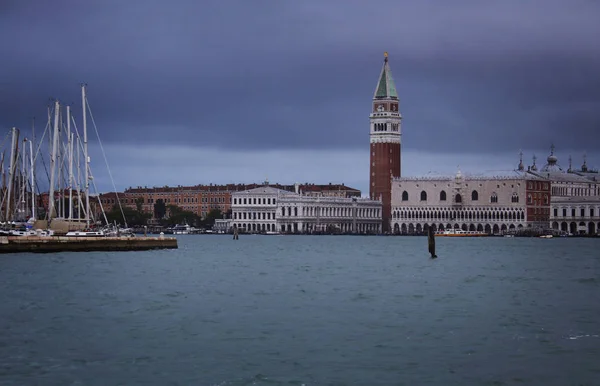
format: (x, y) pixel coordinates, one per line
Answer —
(431, 242)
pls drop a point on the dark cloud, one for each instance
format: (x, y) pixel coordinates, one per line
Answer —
(280, 75)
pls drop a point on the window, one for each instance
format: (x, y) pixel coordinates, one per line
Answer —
(582, 212)
(545, 199)
(529, 198)
(458, 198)
(405, 196)
(573, 212)
(591, 212)
(564, 212)
(474, 196)
(442, 195)
(555, 212)
(494, 198)
(515, 198)
(423, 196)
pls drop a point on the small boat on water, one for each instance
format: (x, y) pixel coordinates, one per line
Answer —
(460, 233)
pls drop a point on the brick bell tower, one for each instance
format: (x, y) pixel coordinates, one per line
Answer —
(385, 141)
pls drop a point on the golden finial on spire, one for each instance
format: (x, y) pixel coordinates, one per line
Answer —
(385, 54)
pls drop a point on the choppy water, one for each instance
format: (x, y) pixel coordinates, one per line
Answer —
(287, 310)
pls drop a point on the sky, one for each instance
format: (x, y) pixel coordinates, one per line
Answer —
(235, 91)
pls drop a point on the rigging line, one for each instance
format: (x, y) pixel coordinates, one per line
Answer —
(106, 161)
(80, 144)
(5, 138)
(42, 139)
(100, 201)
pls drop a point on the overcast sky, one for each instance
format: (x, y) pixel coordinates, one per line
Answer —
(188, 92)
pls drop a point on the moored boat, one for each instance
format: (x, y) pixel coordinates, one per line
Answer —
(460, 233)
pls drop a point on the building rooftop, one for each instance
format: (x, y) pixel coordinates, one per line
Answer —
(386, 88)
(486, 175)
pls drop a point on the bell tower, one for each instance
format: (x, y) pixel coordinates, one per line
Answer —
(385, 143)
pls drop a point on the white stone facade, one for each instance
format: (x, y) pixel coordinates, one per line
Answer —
(494, 204)
(576, 215)
(267, 209)
(575, 204)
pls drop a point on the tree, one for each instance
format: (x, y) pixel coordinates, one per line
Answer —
(138, 203)
(160, 209)
(134, 217)
(211, 216)
(179, 216)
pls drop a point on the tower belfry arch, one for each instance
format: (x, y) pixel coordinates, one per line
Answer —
(385, 140)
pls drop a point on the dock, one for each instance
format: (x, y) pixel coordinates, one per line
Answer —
(46, 244)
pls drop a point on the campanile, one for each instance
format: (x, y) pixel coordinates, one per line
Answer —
(385, 144)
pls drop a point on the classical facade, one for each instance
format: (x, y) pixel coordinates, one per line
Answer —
(385, 141)
(494, 204)
(269, 209)
(575, 205)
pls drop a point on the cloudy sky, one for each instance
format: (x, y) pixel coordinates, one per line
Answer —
(187, 92)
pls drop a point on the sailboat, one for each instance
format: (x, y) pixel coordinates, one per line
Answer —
(68, 206)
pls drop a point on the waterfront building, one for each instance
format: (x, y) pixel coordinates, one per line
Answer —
(575, 204)
(492, 204)
(223, 225)
(269, 209)
(385, 141)
(201, 199)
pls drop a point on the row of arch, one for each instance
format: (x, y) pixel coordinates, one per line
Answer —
(327, 211)
(514, 215)
(458, 197)
(410, 228)
(591, 228)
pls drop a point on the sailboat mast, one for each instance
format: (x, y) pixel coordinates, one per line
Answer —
(32, 180)
(11, 172)
(23, 176)
(70, 150)
(53, 162)
(3, 179)
(87, 158)
(60, 212)
(78, 180)
(31, 146)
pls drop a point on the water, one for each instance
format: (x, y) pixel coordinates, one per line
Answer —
(287, 310)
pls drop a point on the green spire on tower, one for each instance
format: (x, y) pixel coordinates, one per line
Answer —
(386, 88)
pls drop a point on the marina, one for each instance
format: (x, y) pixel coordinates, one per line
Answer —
(69, 217)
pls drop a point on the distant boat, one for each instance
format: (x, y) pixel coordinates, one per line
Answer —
(460, 233)
(183, 229)
(85, 234)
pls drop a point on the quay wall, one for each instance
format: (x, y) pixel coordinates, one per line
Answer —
(12, 244)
